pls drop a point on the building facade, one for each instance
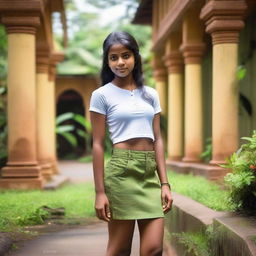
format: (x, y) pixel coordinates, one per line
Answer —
(200, 47)
(32, 61)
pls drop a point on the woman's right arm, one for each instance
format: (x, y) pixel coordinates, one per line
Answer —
(98, 131)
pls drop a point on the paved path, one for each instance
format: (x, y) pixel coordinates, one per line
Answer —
(75, 171)
(89, 240)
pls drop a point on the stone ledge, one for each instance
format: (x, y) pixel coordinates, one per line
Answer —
(210, 172)
(234, 234)
(188, 215)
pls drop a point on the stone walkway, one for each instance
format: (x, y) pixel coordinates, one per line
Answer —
(90, 240)
(87, 240)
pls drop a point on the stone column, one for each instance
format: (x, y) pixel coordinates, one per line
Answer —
(224, 20)
(54, 59)
(174, 63)
(160, 76)
(192, 48)
(22, 170)
(43, 112)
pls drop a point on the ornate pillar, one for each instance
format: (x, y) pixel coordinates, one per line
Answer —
(224, 20)
(54, 59)
(174, 63)
(22, 170)
(160, 76)
(43, 112)
(192, 48)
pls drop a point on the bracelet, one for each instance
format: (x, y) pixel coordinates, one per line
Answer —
(166, 184)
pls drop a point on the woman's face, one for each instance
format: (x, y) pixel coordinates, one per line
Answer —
(121, 60)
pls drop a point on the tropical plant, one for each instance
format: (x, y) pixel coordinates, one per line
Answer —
(242, 180)
(207, 154)
(84, 51)
(3, 92)
(69, 131)
(3, 127)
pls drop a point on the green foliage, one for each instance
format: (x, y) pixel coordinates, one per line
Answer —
(196, 244)
(3, 127)
(192, 186)
(3, 90)
(207, 154)
(3, 56)
(20, 208)
(241, 72)
(242, 180)
(69, 132)
(86, 35)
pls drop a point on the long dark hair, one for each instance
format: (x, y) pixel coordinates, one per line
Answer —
(124, 38)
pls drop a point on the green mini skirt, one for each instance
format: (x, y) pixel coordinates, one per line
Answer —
(132, 185)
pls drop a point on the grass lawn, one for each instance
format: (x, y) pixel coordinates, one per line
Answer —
(21, 208)
(200, 189)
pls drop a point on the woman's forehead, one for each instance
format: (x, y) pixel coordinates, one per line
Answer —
(118, 48)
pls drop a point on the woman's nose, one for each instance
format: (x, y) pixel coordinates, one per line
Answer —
(120, 61)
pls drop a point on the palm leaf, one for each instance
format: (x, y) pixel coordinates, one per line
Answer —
(63, 117)
(70, 138)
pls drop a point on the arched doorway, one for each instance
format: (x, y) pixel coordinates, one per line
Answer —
(70, 101)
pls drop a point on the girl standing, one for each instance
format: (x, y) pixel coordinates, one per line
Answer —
(133, 185)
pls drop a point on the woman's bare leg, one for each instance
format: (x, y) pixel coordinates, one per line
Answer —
(120, 237)
(151, 236)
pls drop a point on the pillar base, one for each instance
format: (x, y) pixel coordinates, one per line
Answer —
(189, 159)
(21, 183)
(55, 168)
(46, 170)
(21, 171)
(174, 158)
(217, 162)
(214, 173)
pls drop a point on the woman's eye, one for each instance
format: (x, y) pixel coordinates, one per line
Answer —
(113, 58)
(126, 56)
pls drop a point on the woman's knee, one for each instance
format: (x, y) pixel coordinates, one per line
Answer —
(119, 252)
(152, 251)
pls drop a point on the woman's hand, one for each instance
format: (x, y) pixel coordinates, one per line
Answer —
(102, 207)
(166, 199)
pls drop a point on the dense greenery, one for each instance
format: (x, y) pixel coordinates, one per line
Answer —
(196, 244)
(242, 180)
(3, 95)
(86, 35)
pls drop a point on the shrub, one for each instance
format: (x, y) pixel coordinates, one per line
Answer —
(242, 181)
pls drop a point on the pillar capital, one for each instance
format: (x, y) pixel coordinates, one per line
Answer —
(16, 24)
(174, 62)
(224, 20)
(192, 52)
(160, 74)
(159, 70)
(42, 59)
(55, 58)
(21, 16)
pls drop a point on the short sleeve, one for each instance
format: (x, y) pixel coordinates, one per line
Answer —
(156, 103)
(98, 103)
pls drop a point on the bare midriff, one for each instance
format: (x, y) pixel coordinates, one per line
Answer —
(145, 144)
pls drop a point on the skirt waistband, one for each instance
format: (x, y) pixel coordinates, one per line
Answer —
(133, 153)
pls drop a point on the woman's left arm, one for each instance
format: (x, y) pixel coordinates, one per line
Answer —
(161, 166)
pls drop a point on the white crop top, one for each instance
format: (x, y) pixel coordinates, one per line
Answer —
(128, 114)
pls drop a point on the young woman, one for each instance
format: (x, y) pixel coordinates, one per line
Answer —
(133, 185)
